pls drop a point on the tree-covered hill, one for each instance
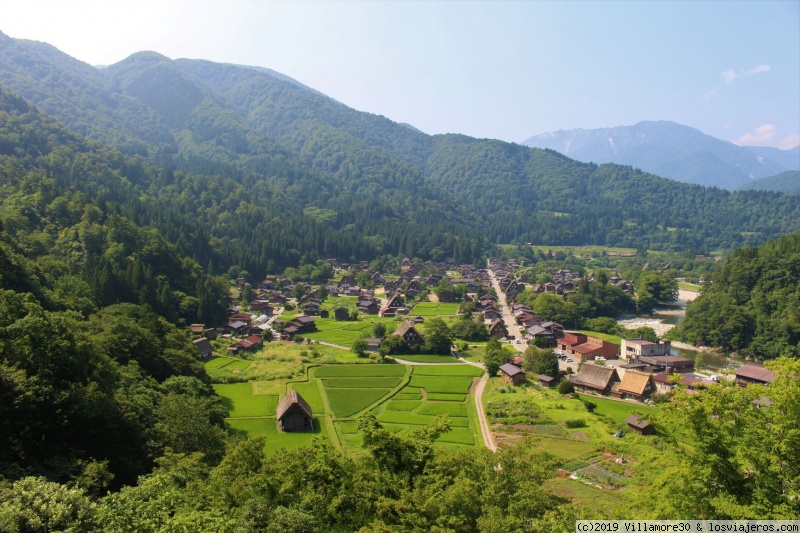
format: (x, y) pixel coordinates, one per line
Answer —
(787, 182)
(275, 172)
(752, 305)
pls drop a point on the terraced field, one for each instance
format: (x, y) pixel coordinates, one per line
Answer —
(435, 309)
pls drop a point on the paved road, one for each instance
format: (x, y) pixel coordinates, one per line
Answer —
(508, 317)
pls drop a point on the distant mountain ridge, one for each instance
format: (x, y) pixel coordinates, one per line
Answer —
(670, 150)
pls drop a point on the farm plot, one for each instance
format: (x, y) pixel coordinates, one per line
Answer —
(347, 402)
(341, 371)
(430, 358)
(336, 332)
(459, 370)
(361, 383)
(276, 441)
(239, 400)
(443, 384)
(400, 417)
(435, 309)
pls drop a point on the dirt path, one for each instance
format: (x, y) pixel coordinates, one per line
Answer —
(488, 438)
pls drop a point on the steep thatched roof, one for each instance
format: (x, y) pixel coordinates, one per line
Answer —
(595, 376)
(634, 382)
(292, 398)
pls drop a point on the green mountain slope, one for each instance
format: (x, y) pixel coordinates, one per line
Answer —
(296, 175)
(786, 182)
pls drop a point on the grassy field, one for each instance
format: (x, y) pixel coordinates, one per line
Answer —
(276, 360)
(276, 441)
(618, 411)
(310, 393)
(446, 397)
(404, 417)
(616, 339)
(239, 400)
(689, 286)
(347, 332)
(434, 309)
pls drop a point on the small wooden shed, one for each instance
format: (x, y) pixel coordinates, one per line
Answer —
(640, 425)
(294, 413)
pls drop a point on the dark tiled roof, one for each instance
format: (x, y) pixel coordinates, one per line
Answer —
(511, 370)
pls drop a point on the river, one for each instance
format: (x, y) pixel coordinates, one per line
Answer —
(664, 319)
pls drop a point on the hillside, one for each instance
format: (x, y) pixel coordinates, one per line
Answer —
(752, 305)
(277, 173)
(669, 150)
(787, 182)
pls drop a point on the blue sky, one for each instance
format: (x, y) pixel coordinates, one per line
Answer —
(505, 70)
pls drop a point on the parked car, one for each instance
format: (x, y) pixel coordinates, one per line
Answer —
(569, 360)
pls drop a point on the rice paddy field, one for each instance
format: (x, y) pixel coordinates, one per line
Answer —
(402, 397)
(344, 333)
(434, 309)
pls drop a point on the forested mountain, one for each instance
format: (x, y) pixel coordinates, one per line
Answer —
(670, 150)
(243, 166)
(752, 305)
(786, 182)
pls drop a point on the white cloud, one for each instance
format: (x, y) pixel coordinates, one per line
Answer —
(729, 76)
(710, 95)
(789, 142)
(762, 136)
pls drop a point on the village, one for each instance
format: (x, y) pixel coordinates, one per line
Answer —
(394, 309)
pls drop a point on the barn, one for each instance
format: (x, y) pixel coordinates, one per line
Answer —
(294, 413)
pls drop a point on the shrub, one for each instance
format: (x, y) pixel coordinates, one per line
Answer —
(576, 423)
(590, 406)
(566, 387)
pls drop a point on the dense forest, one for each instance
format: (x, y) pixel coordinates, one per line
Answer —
(278, 173)
(752, 305)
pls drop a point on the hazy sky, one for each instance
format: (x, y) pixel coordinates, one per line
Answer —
(505, 70)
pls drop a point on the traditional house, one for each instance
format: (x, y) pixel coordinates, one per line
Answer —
(640, 426)
(634, 386)
(498, 329)
(752, 373)
(294, 413)
(373, 344)
(341, 314)
(368, 307)
(595, 378)
(409, 333)
(512, 374)
(197, 329)
(203, 347)
(236, 328)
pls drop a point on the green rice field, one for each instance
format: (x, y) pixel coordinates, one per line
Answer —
(338, 371)
(446, 384)
(361, 383)
(239, 400)
(276, 441)
(399, 417)
(430, 358)
(434, 309)
(459, 370)
(348, 402)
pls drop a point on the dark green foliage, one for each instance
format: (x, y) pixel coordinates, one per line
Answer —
(438, 337)
(469, 328)
(540, 361)
(752, 306)
(496, 356)
(785, 182)
(565, 387)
